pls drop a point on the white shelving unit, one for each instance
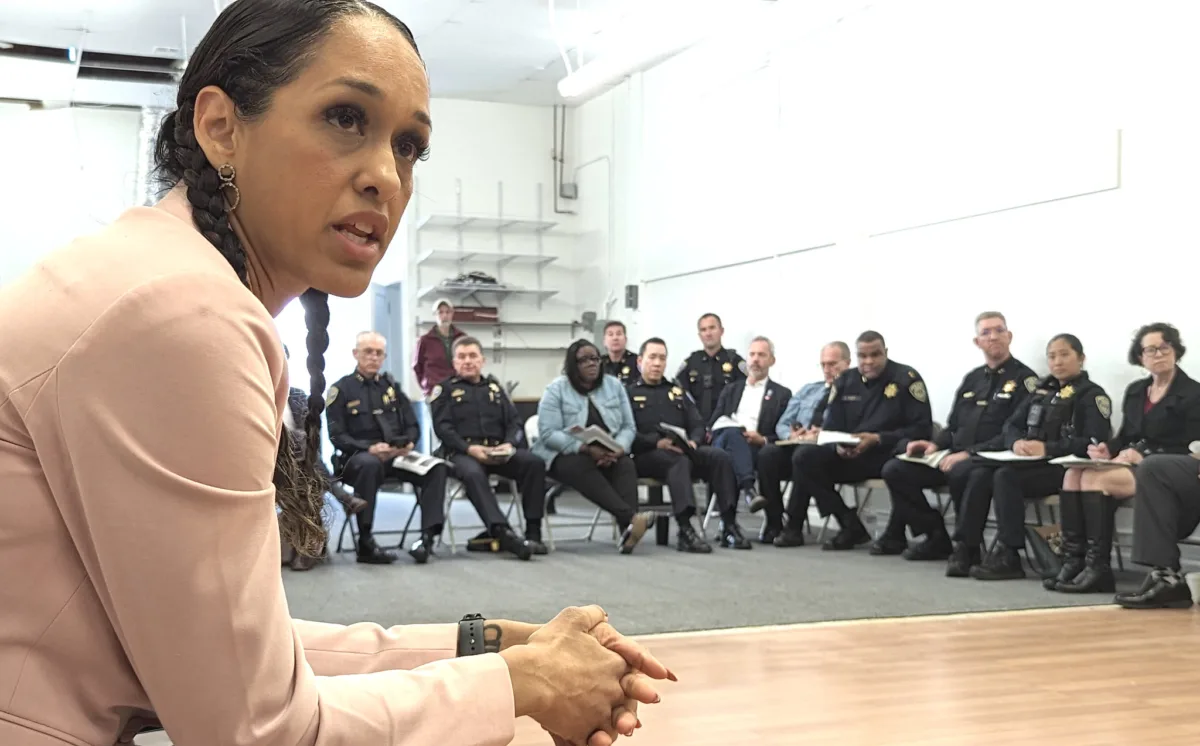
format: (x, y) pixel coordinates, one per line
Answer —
(445, 244)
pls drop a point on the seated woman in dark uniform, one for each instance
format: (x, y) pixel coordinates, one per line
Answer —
(1067, 412)
(583, 397)
(1160, 415)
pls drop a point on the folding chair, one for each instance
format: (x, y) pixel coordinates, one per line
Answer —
(390, 486)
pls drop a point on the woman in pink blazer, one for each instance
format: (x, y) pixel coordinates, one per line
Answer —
(141, 406)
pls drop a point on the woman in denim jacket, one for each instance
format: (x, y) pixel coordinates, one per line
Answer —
(582, 397)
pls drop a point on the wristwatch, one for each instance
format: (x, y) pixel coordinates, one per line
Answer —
(470, 635)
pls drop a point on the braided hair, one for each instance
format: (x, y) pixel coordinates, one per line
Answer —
(253, 48)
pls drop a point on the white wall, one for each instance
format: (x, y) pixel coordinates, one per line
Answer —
(733, 158)
(492, 158)
(66, 172)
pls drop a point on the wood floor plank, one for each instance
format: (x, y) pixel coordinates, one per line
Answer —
(1100, 676)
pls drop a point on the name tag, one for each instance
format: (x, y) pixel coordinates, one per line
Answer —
(851, 397)
(1003, 395)
(639, 398)
(354, 403)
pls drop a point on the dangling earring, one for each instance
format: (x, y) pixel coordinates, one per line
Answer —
(225, 173)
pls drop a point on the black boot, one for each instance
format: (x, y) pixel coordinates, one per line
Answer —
(1002, 563)
(852, 534)
(1099, 514)
(370, 553)
(962, 559)
(533, 536)
(1070, 505)
(689, 541)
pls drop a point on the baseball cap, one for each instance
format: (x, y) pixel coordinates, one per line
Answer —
(439, 302)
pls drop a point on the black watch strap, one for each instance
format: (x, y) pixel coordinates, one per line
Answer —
(470, 635)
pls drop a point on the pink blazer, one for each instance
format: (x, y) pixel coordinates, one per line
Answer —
(142, 391)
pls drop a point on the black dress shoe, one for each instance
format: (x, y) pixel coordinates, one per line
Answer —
(749, 496)
(370, 553)
(768, 534)
(962, 559)
(1003, 563)
(1160, 590)
(789, 538)
(853, 534)
(537, 546)
(422, 549)
(935, 546)
(513, 544)
(687, 540)
(732, 537)
(888, 546)
(757, 503)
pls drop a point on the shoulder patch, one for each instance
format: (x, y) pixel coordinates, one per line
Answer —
(917, 389)
(331, 396)
(1031, 384)
(742, 367)
(1104, 405)
(437, 391)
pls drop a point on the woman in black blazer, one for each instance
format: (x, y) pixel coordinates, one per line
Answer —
(1160, 414)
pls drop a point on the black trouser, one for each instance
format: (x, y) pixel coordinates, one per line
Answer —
(815, 471)
(365, 472)
(907, 483)
(677, 470)
(1007, 486)
(613, 488)
(527, 469)
(1166, 509)
(774, 465)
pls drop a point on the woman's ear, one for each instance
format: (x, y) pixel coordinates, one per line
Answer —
(215, 122)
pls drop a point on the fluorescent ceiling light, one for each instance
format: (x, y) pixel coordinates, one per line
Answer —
(648, 38)
(637, 50)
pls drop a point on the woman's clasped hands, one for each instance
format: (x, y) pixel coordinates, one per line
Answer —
(582, 680)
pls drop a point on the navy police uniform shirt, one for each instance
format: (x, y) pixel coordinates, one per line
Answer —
(1064, 416)
(895, 405)
(363, 411)
(624, 370)
(473, 414)
(662, 402)
(984, 401)
(703, 376)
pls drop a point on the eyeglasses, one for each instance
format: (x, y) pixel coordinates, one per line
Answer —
(368, 352)
(587, 359)
(1156, 351)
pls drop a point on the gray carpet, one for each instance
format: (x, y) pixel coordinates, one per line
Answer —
(656, 589)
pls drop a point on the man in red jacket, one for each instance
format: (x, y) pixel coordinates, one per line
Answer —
(432, 361)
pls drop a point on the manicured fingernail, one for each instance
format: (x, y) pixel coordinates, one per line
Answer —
(671, 676)
(657, 698)
(639, 723)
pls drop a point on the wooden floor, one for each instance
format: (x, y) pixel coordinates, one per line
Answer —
(1094, 676)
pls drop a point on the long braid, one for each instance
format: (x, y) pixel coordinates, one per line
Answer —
(316, 319)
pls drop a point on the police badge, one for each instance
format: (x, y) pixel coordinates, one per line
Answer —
(890, 390)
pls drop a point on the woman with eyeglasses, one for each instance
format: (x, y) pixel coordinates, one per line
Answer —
(1160, 415)
(1067, 412)
(581, 398)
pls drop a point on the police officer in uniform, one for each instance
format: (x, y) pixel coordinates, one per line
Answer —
(986, 398)
(371, 423)
(620, 362)
(659, 454)
(708, 370)
(882, 402)
(475, 420)
(1065, 414)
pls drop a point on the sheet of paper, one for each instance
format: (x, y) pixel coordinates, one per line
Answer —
(833, 437)
(724, 423)
(1075, 462)
(1008, 456)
